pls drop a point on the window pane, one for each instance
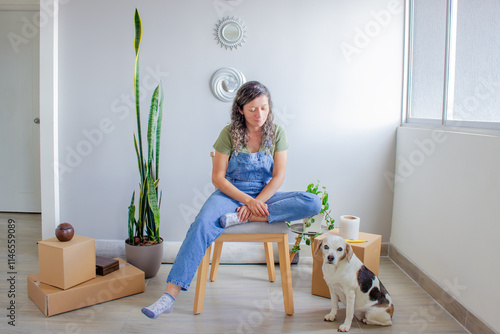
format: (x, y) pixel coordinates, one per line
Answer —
(477, 72)
(427, 72)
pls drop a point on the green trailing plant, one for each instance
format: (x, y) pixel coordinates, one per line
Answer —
(325, 209)
(146, 228)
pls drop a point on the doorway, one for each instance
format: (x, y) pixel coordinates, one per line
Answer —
(19, 112)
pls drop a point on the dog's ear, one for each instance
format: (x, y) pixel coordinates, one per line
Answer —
(349, 252)
(317, 247)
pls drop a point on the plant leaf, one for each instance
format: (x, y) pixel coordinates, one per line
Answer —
(131, 220)
(139, 162)
(153, 205)
(138, 31)
(153, 113)
(158, 133)
(142, 209)
(138, 37)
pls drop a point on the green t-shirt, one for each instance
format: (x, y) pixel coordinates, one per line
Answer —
(224, 144)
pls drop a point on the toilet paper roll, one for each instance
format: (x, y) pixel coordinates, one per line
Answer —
(349, 227)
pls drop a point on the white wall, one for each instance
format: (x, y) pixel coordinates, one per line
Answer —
(335, 89)
(446, 213)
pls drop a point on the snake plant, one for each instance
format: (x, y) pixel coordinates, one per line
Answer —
(146, 228)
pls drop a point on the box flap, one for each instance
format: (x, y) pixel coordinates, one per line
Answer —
(54, 242)
(36, 294)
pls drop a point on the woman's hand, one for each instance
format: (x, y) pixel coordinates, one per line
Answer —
(258, 208)
(244, 213)
(254, 207)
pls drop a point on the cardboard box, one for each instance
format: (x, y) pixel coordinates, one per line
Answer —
(368, 252)
(126, 281)
(66, 264)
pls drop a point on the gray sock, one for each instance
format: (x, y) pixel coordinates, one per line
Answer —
(230, 219)
(163, 305)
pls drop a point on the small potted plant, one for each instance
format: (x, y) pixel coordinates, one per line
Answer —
(144, 246)
(312, 226)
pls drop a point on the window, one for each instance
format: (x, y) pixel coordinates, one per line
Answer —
(453, 67)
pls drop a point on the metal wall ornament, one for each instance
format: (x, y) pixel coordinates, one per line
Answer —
(230, 32)
(225, 83)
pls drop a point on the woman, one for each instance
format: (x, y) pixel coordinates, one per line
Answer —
(249, 167)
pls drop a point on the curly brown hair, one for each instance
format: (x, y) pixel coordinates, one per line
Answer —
(248, 92)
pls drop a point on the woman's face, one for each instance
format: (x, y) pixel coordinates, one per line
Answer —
(256, 111)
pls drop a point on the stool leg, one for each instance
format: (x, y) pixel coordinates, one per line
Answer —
(286, 275)
(215, 260)
(268, 246)
(201, 282)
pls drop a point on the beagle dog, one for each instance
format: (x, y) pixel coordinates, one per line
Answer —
(358, 288)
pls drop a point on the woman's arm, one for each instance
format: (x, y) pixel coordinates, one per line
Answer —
(258, 207)
(279, 171)
(220, 162)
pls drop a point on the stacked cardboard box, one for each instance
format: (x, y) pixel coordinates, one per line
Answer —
(67, 280)
(66, 264)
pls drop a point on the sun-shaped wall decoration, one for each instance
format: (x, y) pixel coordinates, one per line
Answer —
(230, 32)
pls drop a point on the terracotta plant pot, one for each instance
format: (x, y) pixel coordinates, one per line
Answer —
(146, 258)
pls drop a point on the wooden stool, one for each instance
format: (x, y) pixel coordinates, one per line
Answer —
(250, 232)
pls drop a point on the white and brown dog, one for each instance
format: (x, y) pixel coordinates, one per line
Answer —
(358, 288)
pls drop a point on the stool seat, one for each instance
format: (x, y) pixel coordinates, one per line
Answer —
(257, 227)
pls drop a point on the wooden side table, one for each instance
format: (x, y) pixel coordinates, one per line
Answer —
(368, 252)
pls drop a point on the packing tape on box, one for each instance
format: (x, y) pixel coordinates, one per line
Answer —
(349, 227)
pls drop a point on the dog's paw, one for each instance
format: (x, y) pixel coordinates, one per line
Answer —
(330, 316)
(344, 328)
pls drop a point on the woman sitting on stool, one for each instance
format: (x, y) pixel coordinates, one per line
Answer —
(249, 167)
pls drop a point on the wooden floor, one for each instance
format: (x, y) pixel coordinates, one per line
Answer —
(242, 300)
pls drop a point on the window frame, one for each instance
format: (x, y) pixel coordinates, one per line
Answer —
(449, 76)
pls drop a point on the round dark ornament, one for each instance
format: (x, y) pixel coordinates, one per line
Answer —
(64, 232)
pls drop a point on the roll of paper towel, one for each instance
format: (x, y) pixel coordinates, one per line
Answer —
(349, 227)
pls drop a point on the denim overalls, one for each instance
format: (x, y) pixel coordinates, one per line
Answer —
(250, 173)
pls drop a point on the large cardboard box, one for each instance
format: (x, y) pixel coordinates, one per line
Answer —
(126, 281)
(368, 252)
(66, 264)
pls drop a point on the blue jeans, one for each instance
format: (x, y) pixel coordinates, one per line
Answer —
(283, 206)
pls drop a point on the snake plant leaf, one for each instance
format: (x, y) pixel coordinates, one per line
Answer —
(139, 162)
(153, 204)
(131, 220)
(142, 208)
(153, 113)
(158, 133)
(138, 37)
(138, 31)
